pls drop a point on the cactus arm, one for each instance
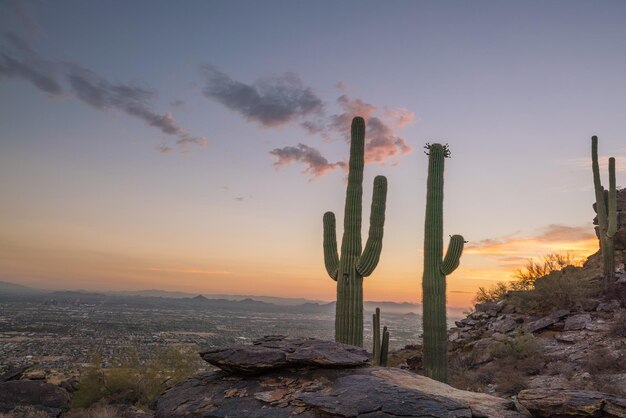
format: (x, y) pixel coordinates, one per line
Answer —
(597, 185)
(331, 258)
(453, 255)
(612, 204)
(371, 254)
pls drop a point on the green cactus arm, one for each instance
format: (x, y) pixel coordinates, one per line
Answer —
(453, 255)
(612, 210)
(369, 259)
(331, 258)
(384, 348)
(597, 185)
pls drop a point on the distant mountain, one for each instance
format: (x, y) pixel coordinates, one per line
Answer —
(161, 298)
(12, 289)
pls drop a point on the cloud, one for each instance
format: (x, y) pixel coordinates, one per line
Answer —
(285, 100)
(515, 249)
(316, 164)
(19, 60)
(269, 102)
(99, 93)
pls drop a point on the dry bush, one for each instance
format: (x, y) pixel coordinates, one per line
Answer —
(522, 346)
(565, 289)
(602, 360)
(25, 411)
(526, 277)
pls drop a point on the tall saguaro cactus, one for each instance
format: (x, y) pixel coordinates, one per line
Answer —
(436, 268)
(354, 264)
(606, 207)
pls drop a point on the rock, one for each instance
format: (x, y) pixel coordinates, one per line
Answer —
(366, 392)
(577, 322)
(546, 321)
(310, 388)
(567, 337)
(71, 384)
(571, 403)
(608, 306)
(276, 352)
(504, 326)
(13, 374)
(47, 399)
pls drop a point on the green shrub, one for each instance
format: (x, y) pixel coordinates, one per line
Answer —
(132, 382)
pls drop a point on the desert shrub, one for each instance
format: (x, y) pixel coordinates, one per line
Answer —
(132, 382)
(91, 386)
(603, 360)
(522, 346)
(563, 289)
(495, 293)
(511, 382)
(96, 411)
(525, 277)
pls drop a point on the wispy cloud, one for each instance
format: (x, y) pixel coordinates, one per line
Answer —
(269, 102)
(316, 165)
(192, 271)
(285, 100)
(513, 250)
(19, 60)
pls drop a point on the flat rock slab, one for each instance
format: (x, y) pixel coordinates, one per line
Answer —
(357, 392)
(41, 399)
(571, 403)
(546, 321)
(279, 352)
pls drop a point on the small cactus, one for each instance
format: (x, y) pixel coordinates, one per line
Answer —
(355, 263)
(606, 207)
(436, 268)
(380, 348)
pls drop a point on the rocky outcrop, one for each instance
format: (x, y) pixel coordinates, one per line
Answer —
(571, 403)
(22, 397)
(278, 352)
(327, 381)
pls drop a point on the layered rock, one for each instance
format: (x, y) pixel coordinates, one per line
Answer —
(32, 398)
(324, 379)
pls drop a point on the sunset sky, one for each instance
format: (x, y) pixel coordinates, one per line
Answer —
(194, 146)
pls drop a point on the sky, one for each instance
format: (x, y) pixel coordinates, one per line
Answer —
(195, 146)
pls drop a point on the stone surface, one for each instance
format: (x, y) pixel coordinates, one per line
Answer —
(360, 392)
(313, 378)
(46, 399)
(546, 321)
(276, 352)
(571, 403)
(577, 322)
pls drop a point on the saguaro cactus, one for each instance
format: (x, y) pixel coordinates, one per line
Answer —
(354, 264)
(606, 207)
(436, 269)
(380, 350)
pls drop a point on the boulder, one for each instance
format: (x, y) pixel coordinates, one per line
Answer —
(547, 321)
(46, 399)
(571, 403)
(577, 322)
(278, 352)
(361, 392)
(312, 378)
